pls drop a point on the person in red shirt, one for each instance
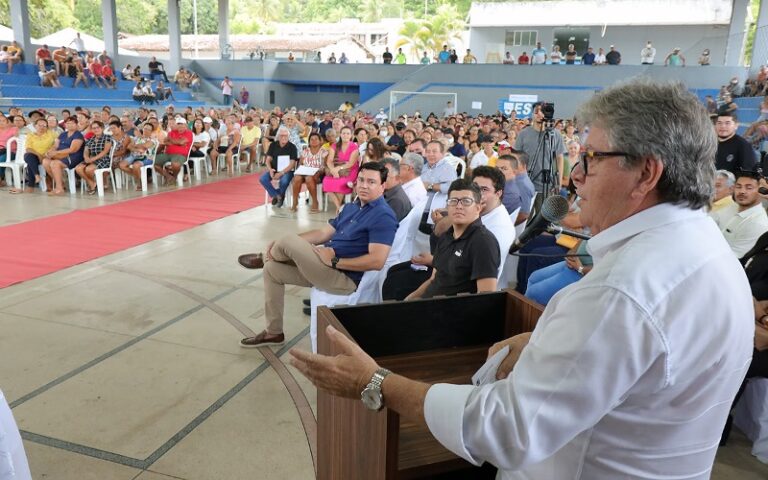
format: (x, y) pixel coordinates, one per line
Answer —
(523, 59)
(97, 74)
(177, 144)
(108, 75)
(43, 57)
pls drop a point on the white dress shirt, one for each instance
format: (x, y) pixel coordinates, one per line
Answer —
(415, 190)
(630, 372)
(502, 227)
(741, 229)
(13, 461)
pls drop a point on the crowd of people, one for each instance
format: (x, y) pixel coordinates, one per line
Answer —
(458, 183)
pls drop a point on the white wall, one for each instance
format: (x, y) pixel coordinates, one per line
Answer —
(628, 40)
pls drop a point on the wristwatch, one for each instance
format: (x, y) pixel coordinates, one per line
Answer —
(429, 189)
(372, 397)
(334, 262)
(581, 270)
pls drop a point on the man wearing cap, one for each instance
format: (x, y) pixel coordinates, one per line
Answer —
(674, 59)
(396, 143)
(647, 54)
(613, 57)
(177, 143)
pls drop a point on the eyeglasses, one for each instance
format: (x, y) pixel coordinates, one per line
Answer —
(588, 155)
(465, 201)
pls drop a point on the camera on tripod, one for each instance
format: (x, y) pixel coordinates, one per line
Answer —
(548, 110)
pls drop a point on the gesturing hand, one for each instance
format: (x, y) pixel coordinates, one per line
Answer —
(326, 254)
(516, 346)
(344, 375)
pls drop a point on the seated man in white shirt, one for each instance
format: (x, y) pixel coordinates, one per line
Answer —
(410, 176)
(743, 222)
(618, 378)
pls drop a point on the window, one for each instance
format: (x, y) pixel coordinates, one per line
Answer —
(521, 38)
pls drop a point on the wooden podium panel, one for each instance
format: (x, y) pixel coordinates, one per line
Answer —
(442, 340)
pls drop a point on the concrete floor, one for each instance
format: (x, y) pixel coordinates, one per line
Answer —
(128, 366)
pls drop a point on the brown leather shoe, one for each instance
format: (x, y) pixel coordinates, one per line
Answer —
(262, 339)
(251, 260)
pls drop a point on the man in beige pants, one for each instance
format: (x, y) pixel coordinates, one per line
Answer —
(332, 258)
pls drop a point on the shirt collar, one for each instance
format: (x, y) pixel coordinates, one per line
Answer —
(654, 217)
(439, 162)
(750, 211)
(727, 200)
(469, 230)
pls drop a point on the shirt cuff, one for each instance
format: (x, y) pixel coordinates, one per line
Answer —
(444, 414)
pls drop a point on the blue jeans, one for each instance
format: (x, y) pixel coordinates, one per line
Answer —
(544, 283)
(285, 182)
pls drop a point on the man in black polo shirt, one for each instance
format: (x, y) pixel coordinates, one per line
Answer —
(396, 142)
(281, 161)
(734, 153)
(466, 258)
(156, 68)
(394, 194)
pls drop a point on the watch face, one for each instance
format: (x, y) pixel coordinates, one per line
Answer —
(372, 398)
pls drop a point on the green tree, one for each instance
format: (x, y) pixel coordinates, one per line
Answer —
(5, 13)
(431, 33)
(414, 35)
(48, 16)
(371, 10)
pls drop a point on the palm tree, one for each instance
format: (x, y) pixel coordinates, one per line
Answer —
(371, 10)
(415, 35)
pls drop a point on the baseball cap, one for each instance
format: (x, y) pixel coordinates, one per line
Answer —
(180, 120)
(399, 126)
(207, 120)
(504, 143)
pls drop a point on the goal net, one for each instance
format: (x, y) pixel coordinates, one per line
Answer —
(409, 103)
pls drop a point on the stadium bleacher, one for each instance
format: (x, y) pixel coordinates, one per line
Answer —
(22, 89)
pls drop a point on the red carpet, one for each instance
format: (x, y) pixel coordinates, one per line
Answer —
(39, 247)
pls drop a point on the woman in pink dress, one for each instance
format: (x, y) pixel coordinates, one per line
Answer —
(342, 170)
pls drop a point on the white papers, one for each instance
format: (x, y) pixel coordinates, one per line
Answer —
(282, 162)
(305, 170)
(487, 373)
(477, 105)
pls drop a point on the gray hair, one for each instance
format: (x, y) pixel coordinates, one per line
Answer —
(728, 176)
(392, 162)
(283, 129)
(664, 121)
(415, 160)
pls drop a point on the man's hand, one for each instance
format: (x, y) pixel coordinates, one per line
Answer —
(516, 346)
(573, 263)
(438, 214)
(325, 254)
(422, 259)
(268, 251)
(344, 375)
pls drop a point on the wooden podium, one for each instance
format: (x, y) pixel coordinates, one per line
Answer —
(443, 340)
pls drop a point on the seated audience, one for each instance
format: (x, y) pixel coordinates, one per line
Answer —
(544, 283)
(411, 167)
(48, 78)
(744, 221)
(437, 174)
(724, 184)
(108, 75)
(280, 152)
(178, 144)
(95, 156)
(314, 156)
(341, 169)
(394, 194)
(251, 138)
(142, 150)
(163, 93)
(156, 68)
(511, 200)
(37, 144)
(123, 143)
(14, 55)
(66, 153)
(227, 143)
(332, 258)
(466, 258)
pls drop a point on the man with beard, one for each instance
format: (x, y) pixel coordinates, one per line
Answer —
(743, 222)
(734, 153)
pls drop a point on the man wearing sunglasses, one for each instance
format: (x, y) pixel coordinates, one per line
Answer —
(466, 258)
(630, 372)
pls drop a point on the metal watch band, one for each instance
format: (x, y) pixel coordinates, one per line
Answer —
(378, 378)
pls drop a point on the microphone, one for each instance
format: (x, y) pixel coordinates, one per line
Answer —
(553, 209)
(558, 229)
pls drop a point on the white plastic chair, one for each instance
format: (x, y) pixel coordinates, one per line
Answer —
(456, 162)
(180, 175)
(16, 166)
(99, 173)
(235, 157)
(146, 169)
(367, 292)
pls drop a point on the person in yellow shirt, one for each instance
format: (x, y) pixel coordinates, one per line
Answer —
(724, 181)
(250, 139)
(36, 145)
(15, 55)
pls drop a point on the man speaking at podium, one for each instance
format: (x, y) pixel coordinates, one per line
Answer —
(630, 372)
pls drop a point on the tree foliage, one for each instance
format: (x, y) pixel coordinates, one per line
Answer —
(246, 16)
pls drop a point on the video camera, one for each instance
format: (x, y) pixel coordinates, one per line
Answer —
(548, 110)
